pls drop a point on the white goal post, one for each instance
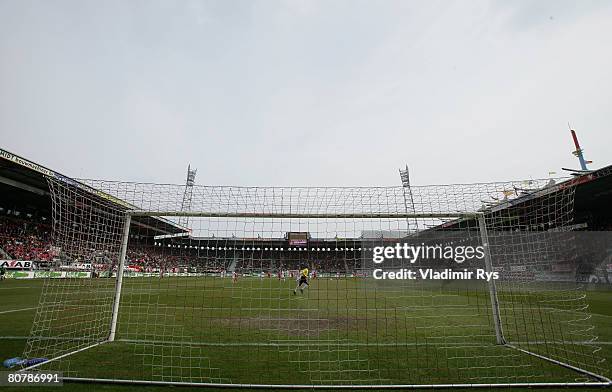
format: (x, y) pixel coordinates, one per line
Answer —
(202, 305)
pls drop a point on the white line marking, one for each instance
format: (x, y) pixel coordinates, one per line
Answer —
(342, 342)
(298, 343)
(14, 288)
(46, 338)
(15, 310)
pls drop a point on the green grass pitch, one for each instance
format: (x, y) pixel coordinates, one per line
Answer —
(257, 331)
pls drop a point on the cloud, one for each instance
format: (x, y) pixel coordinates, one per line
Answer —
(305, 93)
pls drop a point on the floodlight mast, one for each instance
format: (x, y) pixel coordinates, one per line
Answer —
(408, 199)
(187, 195)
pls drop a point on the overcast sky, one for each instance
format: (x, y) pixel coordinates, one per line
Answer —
(306, 92)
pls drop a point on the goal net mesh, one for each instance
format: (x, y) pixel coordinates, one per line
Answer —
(209, 289)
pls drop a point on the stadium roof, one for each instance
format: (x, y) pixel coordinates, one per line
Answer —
(23, 187)
(592, 198)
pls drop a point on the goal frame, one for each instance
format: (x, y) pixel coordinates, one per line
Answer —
(480, 217)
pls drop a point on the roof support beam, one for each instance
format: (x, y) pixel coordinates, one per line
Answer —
(24, 187)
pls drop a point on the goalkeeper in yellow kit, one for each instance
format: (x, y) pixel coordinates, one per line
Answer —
(303, 281)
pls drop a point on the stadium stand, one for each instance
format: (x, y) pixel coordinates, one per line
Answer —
(25, 239)
(27, 235)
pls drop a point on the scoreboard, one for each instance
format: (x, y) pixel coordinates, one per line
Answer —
(298, 238)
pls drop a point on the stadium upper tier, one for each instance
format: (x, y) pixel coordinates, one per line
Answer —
(24, 188)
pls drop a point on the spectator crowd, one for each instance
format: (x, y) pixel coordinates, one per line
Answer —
(25, 239)
(30, 239)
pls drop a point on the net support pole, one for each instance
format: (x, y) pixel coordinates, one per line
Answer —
(499, 333)
(119, 281)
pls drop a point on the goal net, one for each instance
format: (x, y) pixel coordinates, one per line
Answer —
(215, 299)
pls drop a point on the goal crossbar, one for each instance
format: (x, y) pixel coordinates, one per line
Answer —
(350, 215)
